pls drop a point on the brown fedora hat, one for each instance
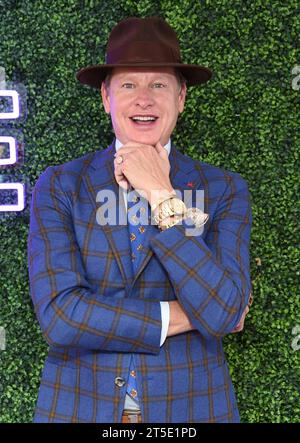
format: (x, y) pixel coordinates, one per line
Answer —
(142, 42)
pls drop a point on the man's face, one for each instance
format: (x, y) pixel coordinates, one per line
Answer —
(143, 92)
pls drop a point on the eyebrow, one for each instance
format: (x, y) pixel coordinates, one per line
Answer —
(130, 77)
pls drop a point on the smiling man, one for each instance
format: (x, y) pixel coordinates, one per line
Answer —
(160, 96)
(135, 313)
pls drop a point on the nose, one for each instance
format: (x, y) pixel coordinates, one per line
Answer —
(144, 97)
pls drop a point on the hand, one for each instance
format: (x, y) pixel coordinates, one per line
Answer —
(179, 321)
(146, 168)
(240, 326)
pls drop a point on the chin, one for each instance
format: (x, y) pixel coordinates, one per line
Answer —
(140, 140)
(146, 140)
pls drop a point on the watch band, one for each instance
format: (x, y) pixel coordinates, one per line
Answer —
(167, 208)
(198, 217)
(174, 220)
(164, 195)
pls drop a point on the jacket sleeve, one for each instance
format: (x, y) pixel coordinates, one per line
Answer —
(70, 313)
(210, 275)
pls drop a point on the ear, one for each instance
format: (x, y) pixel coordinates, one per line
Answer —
(181, 98)
(105, 98)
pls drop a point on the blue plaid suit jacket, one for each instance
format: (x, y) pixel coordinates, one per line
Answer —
(94, 313)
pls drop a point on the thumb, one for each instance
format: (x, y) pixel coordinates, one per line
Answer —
(160, 149)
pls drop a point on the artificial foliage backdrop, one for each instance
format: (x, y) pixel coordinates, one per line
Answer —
(245, 119)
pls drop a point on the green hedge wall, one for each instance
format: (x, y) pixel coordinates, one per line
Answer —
(244, 120)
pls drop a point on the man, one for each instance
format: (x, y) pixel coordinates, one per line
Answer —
(134, 313)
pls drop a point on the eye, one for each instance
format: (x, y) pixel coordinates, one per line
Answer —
(158, 85)
(128, 85)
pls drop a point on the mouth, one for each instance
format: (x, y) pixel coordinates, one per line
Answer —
(144, 121)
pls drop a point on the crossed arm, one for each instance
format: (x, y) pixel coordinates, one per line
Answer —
(180, 323)
(212, 291)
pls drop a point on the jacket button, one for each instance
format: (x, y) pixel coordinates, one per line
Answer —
(119, 381)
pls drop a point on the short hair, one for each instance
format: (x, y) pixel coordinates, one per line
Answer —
(180, 78)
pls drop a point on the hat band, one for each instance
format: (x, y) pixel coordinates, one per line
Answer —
(142, 52)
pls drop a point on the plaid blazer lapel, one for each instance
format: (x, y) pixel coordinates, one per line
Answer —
(100, 177)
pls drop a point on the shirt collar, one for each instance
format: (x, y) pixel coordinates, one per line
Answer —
(167, 146)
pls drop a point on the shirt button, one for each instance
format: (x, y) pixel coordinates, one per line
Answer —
(119, 381)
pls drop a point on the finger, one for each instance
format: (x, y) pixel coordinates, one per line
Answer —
(239, 327)
(117, 166)
(118, 160)
(159, 148)
(131, 146)
(125, 154)
(119, 170)
(123, 151)
(123, 182)
(120, 177)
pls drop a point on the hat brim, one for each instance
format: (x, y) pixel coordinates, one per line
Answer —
(94, 75)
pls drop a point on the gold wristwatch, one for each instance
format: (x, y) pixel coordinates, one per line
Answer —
(198, 217)
(168, 208)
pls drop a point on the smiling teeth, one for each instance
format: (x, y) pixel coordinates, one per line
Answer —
(144, 119)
